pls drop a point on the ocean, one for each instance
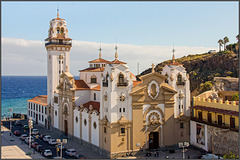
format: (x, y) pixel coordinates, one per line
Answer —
(16, 90)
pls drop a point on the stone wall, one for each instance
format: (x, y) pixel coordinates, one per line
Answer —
(225, 84)
(224, 141)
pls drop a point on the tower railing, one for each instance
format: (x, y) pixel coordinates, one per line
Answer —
(58, 43)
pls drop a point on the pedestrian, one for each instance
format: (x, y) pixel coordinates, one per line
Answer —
(10, 134)
(157, 153)
(188, 157)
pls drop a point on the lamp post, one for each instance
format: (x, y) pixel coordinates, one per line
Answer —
(182, 145)
(215, 132)
(64, 141)
(10, 110)
(30, 126)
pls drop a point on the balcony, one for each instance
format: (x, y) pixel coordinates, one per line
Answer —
(180, 83)
(122, 84)
(105, 84)
(58, 43)
(214, 123)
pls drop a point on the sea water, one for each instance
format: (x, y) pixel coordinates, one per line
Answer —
(16, 90)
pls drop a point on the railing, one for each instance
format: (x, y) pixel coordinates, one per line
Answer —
(224, 126)
(180, 83)
(58, 43)
(119, 84)
(105, 84)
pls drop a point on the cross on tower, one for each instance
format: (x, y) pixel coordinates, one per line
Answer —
(153, 67)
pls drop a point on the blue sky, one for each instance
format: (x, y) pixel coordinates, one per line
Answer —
(186, 24)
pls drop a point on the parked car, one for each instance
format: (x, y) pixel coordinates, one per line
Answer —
(39, 148)
(46, 138)
(212, 51)
(25, 127)
(210, 156)
(23, 136)
(27, 140)
(18, 122)
(34, 144)
(47, 153)
(35, 131)
(79, 156)
(52, 141)
(71, 152)
(17, 133)
(63, 147)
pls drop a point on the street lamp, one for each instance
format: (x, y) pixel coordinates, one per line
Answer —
(10, 110)
(215, 132)
(30, 126)
(64, 141)
(182, 145)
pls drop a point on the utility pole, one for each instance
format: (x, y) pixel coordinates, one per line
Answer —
(30, 126)
(61, 142)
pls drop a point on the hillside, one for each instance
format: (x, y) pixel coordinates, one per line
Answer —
(202, 68)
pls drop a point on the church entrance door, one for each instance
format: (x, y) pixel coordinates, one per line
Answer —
(66, 127)
(153, 140)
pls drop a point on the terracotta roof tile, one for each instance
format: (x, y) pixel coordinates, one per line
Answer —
(99, 60)
(41, 99)
(136, 83)
(101, 69)
(116, 61)
(97, 88)
(95, 105)
(81, 85)
(211, 109)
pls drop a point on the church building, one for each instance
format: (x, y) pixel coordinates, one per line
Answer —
(107, 108)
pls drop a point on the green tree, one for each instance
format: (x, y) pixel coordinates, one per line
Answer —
(225, 40)
(220, 41)
(230, 156)
(235, 97)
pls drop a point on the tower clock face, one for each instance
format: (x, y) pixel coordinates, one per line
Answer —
(60, 24)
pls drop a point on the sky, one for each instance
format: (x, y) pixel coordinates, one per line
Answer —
(143, 31)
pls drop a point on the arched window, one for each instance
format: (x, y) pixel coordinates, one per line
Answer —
(121, 78)
(105, 83)
(179, 78)
(62, 30)
(166, 80)
(94, 96)
(58, 30)
(93, 79)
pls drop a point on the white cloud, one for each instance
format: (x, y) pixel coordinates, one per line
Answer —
(27, 57)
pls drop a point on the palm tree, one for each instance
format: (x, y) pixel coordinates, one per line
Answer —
(220, 41)
(225, 40)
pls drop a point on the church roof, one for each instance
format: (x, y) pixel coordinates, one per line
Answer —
(95, 105)
(100, 69)
(41, 99)
(174, 63)
(116, 61)
(81, 85)
(97, 88)
(99, 60)
(136, 83)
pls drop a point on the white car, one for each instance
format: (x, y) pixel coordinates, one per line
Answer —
(47, 153)
(23, 136)
(35, 131)
(210, 156)
(52, 141)
(212, 51)
(71, 152)
(46, 138)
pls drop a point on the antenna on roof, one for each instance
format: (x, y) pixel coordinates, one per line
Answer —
(100, 49)
(173, 56)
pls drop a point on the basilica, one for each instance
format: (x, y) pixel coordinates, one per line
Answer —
(108, 107)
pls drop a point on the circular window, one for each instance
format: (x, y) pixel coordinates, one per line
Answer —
(76, 119)
(85, 122)
(55, 113)
(95, 125)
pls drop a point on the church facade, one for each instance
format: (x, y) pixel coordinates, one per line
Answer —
(108, 108)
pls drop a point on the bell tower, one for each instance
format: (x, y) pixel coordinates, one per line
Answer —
(58, 45)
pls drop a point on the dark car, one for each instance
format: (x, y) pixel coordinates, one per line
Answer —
(39, 148)
(18, 122)
(79, 156)
(34, 144)
(25, 127)
(17, 133)
(41, 136)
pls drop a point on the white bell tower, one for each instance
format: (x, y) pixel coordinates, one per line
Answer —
(58, 45)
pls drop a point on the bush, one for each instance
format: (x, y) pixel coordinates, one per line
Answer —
(235, 97)
(230, 156)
